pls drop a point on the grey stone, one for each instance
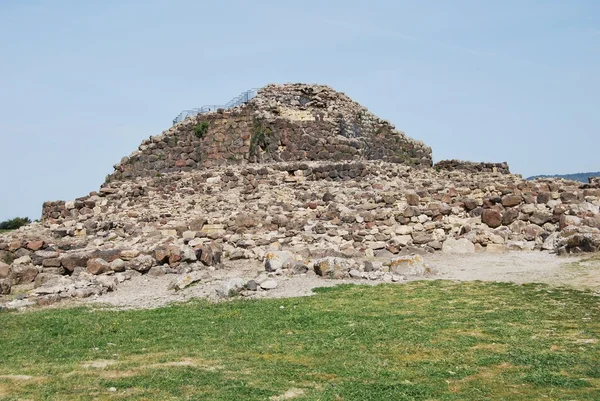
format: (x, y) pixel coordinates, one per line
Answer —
(4, 270)
(142, 263)
(268, 284)
(108, 282)
(355, 273)
(23, 274)
(230, 288)
(252, 285)
(331, 267)
(275, 260)
(299, 268)
(118, 265)
(458, 246)
(23, 260)
(156, 271)
(72, 260)
(44, 278)
(188, 279)
(5, 286)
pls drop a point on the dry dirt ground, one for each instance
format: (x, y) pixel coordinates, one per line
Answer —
(582, 272)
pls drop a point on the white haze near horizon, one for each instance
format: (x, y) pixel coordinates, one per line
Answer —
(82, 83)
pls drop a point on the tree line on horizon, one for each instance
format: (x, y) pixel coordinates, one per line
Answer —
(13, 224)
(581, 177)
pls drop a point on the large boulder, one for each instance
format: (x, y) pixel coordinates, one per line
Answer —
(72, 260)
(509, 216)
(23, 274)
(410, 265)
(230, 288)
(492, 218)
(209, 254)
(98, 266)
(511, 200)
(568, 220)
(332, 267)
(142, 263)
(275, 260)
(581, 242)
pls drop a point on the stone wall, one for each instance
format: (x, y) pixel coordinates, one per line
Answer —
(481, 207)
(282, 123)
(472, 167)
(181, 223)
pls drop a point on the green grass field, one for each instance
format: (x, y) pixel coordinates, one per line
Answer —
(434, 340)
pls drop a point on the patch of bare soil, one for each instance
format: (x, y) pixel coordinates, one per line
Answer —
(581, 272)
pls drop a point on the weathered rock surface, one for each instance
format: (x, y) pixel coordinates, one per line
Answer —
(459, 246)
(300, 179)
(231, 288)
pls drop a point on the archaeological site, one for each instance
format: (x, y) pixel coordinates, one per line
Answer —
(297, 181)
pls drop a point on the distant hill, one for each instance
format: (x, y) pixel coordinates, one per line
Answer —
(583, 177)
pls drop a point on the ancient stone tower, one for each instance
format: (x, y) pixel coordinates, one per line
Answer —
(282, 123)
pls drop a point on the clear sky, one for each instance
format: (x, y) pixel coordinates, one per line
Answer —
(82, 82)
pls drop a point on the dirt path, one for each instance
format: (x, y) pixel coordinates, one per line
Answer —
(518, 267)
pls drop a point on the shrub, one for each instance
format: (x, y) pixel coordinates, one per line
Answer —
(15, 223)
(260, 138)
(201, 129)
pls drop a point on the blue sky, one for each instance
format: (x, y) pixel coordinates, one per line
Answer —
(82, 83)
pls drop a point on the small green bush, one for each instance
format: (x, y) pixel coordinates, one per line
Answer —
(260, 138)
(201, 129)
(15, 223)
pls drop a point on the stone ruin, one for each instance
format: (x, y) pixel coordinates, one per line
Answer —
(300, 179)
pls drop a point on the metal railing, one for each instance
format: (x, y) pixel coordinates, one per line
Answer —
(236, 101)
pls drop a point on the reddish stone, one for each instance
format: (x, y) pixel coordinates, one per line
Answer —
(97, 266)
(174, 260)
(511, 200)
(209, 254)
(161, 254)
(492, 218)
(180, 163)
(35, 245)
(312, 205)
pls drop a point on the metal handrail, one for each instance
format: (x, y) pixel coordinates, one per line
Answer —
(244, 97)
